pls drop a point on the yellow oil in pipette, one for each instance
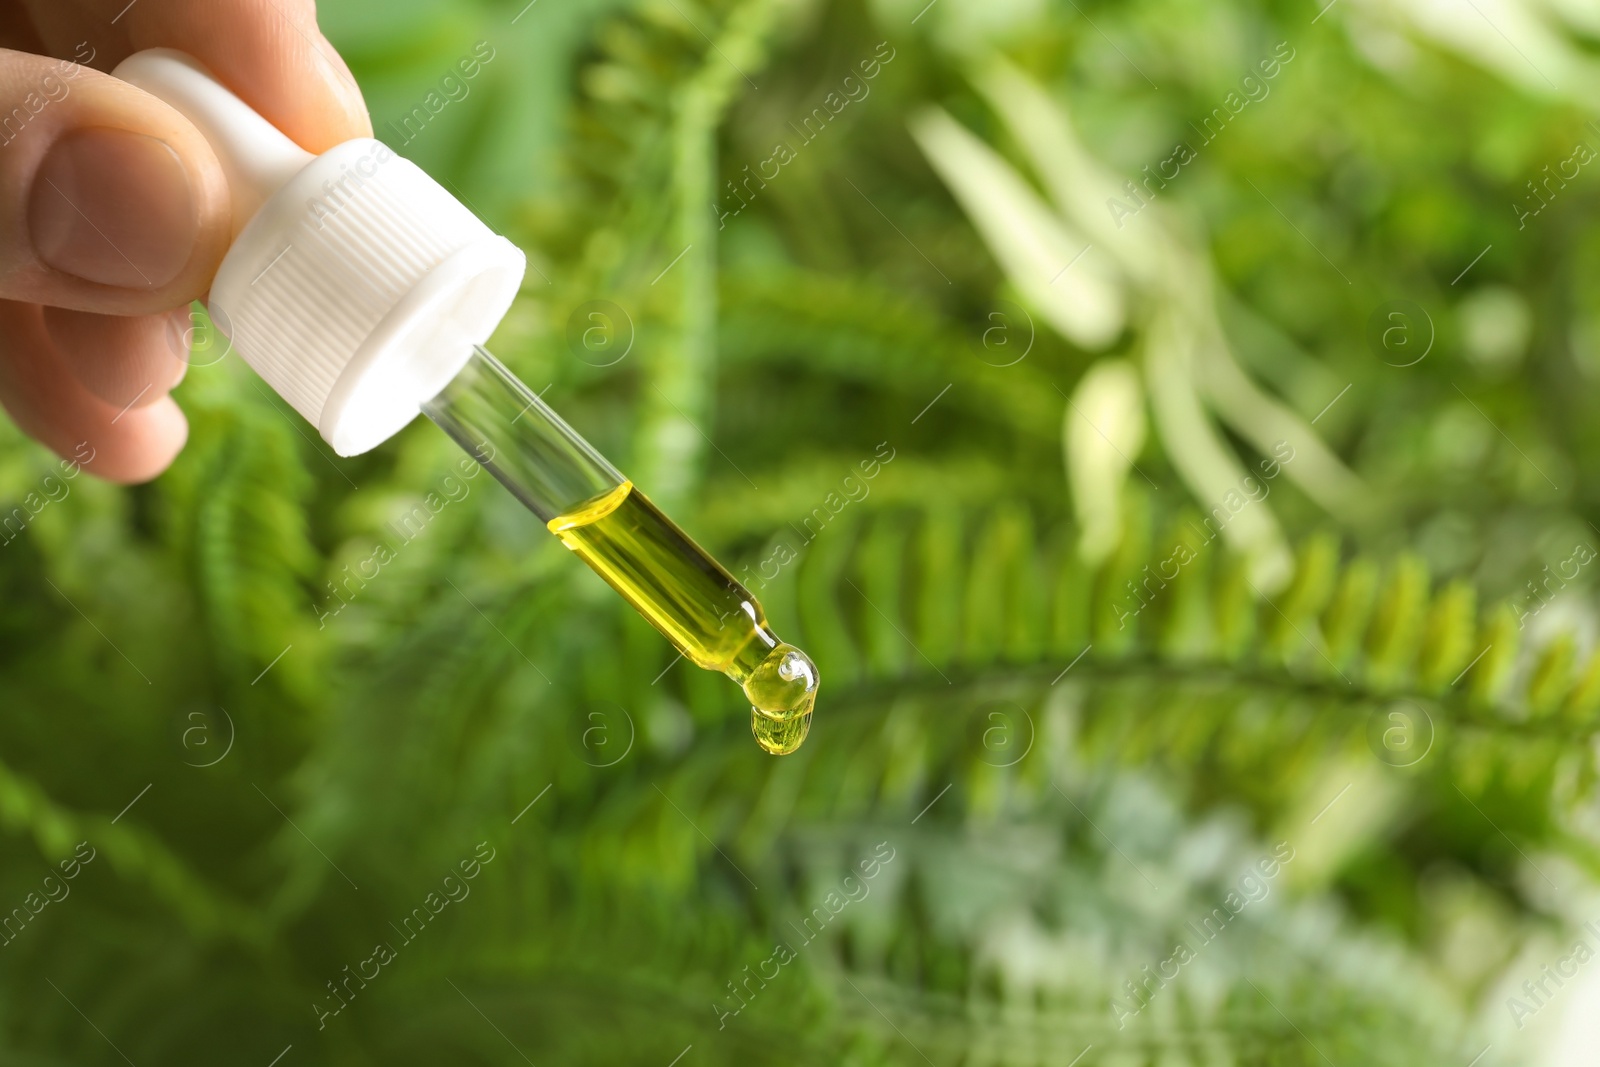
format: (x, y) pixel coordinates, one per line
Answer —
(713, 620)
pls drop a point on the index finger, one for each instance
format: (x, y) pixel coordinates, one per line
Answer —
(269, 52)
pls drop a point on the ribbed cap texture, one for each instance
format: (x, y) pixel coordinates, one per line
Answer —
(314, 273)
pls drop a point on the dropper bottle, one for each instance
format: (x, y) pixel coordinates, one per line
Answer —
(362, 291)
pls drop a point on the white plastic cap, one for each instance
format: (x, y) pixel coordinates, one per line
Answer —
(356, 285)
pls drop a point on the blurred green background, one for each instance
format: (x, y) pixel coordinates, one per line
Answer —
(1349, 332)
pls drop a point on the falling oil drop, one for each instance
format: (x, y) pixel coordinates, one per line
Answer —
(780, 737)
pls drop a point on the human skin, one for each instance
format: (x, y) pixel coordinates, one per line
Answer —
(114, 212)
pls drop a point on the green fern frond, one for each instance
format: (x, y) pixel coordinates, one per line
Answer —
(242, 491)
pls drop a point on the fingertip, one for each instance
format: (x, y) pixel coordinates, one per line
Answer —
(150, 439)
(48, 402)
(355, 120)
(272, 54)
(126, 361)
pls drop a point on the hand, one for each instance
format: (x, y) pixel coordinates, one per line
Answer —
(116, 212)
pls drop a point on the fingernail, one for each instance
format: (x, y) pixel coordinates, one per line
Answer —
(344, 84)
(113, 207)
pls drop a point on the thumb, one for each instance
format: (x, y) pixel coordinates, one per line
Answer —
(110, 200)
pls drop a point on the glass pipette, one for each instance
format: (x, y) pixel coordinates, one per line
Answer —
(613, 527)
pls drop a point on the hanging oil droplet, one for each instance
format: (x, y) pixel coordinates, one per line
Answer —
(780, 737)
(713, 620)
(782, 691)
(784, 684)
